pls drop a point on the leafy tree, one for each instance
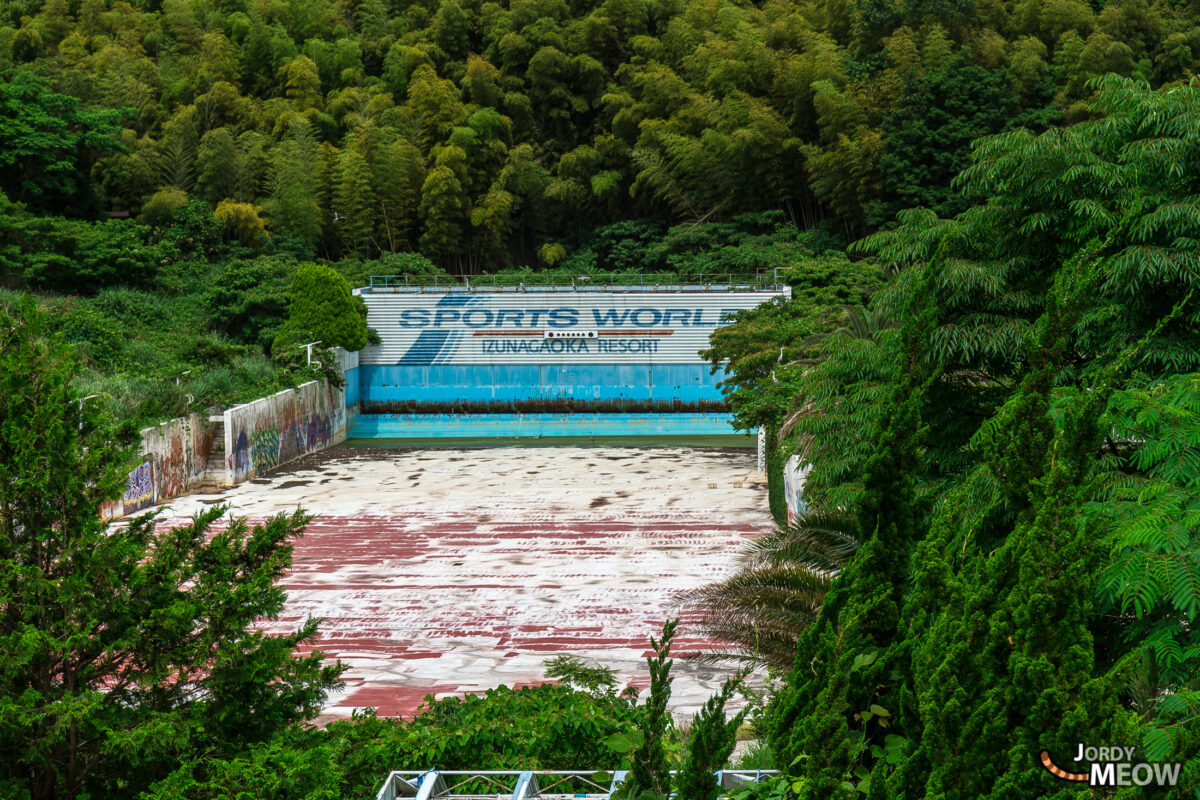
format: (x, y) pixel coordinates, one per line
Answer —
(354, 216)
(129, 651)
(294, 186)
(711, 743)
(649, 772)
(162, 205)
(1054, 307)
(929, 134)
(47, 144)
(443, 212)
(321, 306)
(247, 300)
(765, 349)
(597, 680)
(242, 222)
(76, 256)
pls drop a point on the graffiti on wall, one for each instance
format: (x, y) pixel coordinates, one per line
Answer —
(139, 489)
(275, 430)
(174, 462)
(265, 447)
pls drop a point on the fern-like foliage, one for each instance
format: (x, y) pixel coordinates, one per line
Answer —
(1148, 496)
(763, 608)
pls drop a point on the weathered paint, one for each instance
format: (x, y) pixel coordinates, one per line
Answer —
(174, 460)
(348, 362)
(438, 426)
(451, 571)
(261, 435)
(502, 348)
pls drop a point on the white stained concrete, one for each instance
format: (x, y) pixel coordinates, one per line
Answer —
(444, 571)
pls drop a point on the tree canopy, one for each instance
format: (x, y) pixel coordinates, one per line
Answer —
(130, 652)
(1001, 602)
(488, 133)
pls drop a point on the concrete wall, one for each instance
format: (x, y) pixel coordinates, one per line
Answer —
(257, 436)
(794, 474)
(174, 461)
(350, 372)
(261, 435)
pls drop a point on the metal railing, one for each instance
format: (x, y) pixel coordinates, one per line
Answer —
(525, 785)
(534, 282)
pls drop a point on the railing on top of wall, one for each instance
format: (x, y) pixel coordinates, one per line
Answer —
(436, 784)
(535, 282)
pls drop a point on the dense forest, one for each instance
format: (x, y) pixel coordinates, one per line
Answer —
(492, 134)
(989, 215)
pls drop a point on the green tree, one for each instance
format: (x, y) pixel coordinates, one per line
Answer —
(322, 306)
(294, 181)
(48, 144)
(443, 215)
(125, 652)
(1053, 300)
(354, 213)
(711, 743)
(649, 772)
(242, 222)
(929, 134)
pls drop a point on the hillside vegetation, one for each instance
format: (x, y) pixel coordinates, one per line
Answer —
(988, 212)
(491, 134)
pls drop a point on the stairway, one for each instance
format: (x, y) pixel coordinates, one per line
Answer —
(214, 473)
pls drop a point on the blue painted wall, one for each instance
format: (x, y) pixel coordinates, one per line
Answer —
(401, 426)
(506, 383)
(353, 386)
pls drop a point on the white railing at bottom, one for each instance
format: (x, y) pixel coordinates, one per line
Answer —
(525, 785)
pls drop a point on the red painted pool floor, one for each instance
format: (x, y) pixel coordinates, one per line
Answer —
(440, 572)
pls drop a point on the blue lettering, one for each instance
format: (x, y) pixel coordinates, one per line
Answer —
(609, 317)
(627, 346)
(509, 312)
(682, 313)
(563, 317)
(487, 318)
(414, 318)
(556, 346)
(444, 315)
(638, 317)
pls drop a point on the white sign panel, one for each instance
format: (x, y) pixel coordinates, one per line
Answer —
(591, 327)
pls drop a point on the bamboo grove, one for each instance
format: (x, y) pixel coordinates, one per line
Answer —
(486, 134)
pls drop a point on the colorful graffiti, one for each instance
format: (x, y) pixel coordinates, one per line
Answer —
(174, 463)
(274, 430)
(259, 436)
(139, 489)
(265, 447)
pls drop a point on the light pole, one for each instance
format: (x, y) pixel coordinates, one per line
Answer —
(81, 402)
(310, 346)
